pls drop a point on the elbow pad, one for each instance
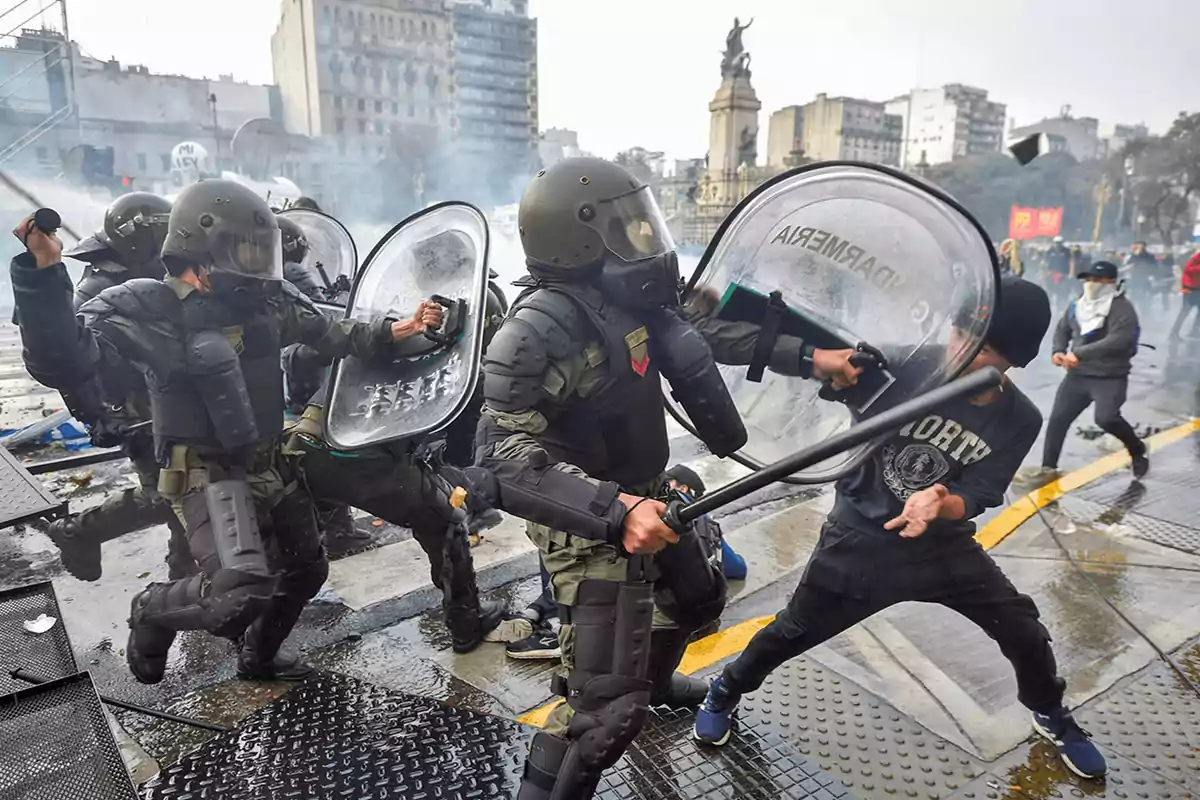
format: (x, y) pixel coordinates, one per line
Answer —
(686, 361)
(217, 372)
(559, 500)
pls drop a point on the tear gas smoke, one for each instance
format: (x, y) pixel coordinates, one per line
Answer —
(80, 208)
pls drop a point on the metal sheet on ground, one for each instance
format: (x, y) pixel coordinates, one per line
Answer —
(47, 655)
(57, 744)
(1153, 719)
(863, 742)
(335, 737)
(22, 497)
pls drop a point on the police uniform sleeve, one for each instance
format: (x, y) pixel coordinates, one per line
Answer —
(303, 322)
(58, 350)
(733, 343)
(534, 363)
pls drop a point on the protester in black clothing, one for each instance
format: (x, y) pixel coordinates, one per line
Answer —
(901, 530)
(1057, 269)
(1141, 271)
(1095, 342)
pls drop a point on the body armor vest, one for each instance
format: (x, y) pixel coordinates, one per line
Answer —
(619, 431)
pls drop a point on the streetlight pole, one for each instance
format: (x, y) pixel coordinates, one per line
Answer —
(212, 101)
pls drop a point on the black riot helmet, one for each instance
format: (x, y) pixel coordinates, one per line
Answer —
(227, 228)
(295, 243)
(135, 226)
(591, 219)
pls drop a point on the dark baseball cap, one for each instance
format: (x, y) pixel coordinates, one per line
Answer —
(685, 476)
(1100, 269)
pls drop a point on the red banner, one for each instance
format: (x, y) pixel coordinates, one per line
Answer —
(1032, 223)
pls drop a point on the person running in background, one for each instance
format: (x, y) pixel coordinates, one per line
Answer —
(1189, 286)
(1095, 342)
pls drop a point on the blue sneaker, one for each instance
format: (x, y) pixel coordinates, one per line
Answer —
(1073, 742)
(714, 720)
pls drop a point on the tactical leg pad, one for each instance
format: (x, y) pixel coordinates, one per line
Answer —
(612, 621)
(234, 521)
(546, 755)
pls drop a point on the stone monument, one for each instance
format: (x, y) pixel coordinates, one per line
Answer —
(732, 142)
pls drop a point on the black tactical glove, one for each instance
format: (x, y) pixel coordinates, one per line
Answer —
(109, 431)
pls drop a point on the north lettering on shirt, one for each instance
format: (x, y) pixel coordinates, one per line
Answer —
(949, 437)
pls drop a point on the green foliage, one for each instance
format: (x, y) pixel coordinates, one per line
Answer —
(1161, 177)
(990, 185)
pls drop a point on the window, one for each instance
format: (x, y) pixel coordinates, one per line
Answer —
(378, 127)
(424, 28)
(166, 162)
(372, 20)
(141, 161)
(378, 106)
(337, 102)
(377, 82)
(362, 104)
(362, 126)
(340, 124)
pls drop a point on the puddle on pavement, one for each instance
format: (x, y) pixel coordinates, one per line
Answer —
(225, 703)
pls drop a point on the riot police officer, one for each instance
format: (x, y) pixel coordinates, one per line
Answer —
(207, 340)
(398, 483)
(295, 248)
(128, 245)
(573, 438)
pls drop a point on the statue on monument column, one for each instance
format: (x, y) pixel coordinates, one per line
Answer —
(736, 61)
(747, 152)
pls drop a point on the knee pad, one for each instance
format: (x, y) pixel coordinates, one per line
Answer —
(610, 711)
(235, 599)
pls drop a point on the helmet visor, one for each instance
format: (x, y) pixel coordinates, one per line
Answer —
(633, 227)
(254, 254)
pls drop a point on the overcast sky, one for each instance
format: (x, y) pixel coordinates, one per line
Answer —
(641, 72)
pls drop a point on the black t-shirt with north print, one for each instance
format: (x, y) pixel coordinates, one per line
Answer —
(972, 450)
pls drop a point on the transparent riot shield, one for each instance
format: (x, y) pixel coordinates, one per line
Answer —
(438, 254)
(332, 258)
(842, 255)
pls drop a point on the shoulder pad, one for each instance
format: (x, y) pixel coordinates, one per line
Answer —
(544, 326)
(93, 282)
(140, 298)
(293, 293)
(555, 318)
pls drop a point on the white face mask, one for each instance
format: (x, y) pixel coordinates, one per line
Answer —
(1098, 291)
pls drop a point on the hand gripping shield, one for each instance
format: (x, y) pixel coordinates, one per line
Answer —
(332, 258)
(843, 255)
(438, 254)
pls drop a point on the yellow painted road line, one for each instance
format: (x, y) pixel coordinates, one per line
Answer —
(703, 653)
(1011, 518)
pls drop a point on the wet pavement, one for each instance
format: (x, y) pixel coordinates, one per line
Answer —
(1101, 561)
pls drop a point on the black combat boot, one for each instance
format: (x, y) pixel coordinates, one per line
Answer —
(149, 644)
(341, 536)
(673, 689)
(282, 667)
(470, 619)
(78, 549)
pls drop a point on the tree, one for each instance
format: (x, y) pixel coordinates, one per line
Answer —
(989, 185)
(1160, 176)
